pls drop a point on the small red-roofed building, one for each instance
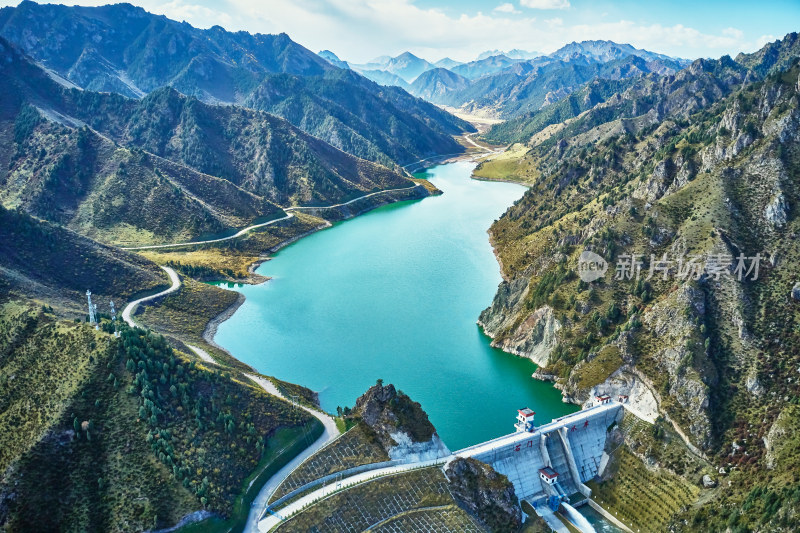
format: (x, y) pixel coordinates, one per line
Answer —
(548, 475)
(600, 400)
(525, 420)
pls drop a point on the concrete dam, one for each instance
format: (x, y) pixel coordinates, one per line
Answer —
(550, 464)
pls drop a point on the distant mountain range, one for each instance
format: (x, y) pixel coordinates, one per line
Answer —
(515, 82)
(164, 167)
(516, 53)
(123, 49)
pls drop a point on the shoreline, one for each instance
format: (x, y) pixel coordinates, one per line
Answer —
(210, 330)
(211, 327)
(498, 180)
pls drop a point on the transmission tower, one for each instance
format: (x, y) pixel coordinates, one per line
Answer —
(92, 310)
(114, 319)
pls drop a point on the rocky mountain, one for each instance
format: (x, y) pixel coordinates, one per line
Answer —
(484, 493)
(700, 83)
(526, 87)
(93, 161)
(605, 51)
(354, 115)
(383, 77)
(677, 190)
(123, 49)
(447, 63)
(434, 84)
(407, 66)
(516, 53)
(333, 59)
(482, 67)
(512, 88)
(523, 127)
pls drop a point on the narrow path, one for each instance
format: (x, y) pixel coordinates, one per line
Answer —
(289, 215)
(299, 208)
(202, 354)
(131, 307)
(330, 432)
(234, 236)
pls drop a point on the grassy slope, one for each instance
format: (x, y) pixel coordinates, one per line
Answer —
(164, 436)
(593, 196)
(46, 262)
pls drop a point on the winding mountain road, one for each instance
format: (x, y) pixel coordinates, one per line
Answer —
(131, 307)
(329, 433)
(289, 215)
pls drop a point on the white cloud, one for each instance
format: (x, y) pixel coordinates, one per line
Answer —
(358, 30)
(733, 32)
(506, 8)
(764, 39)
(545, 4)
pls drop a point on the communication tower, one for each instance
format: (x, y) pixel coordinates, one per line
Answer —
(114, 319)
(92, 310)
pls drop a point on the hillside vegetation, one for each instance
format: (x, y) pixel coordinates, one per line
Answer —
(700, 179)
(125, 50)
(98, 162)
(106, 434)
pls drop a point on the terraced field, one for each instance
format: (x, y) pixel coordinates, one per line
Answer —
(376, 503)
(355, 448)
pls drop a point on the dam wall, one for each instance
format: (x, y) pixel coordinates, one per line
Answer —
(572, 446)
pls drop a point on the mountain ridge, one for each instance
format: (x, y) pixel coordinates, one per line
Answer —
(119, 48)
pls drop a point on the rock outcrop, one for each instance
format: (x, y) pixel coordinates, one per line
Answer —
(400, 424)
(535, 337)
(796, 292)
(484, 493)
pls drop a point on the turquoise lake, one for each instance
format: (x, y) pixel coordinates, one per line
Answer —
(395, 294)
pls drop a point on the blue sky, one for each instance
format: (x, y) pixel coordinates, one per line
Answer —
(358, 30)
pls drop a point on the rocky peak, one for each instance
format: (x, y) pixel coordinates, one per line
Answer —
(397, 420)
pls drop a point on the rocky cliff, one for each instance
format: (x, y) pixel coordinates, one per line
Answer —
(484, 493)
(686, 187)
(400, 424)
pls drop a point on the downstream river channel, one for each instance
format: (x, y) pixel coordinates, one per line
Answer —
(394, 294)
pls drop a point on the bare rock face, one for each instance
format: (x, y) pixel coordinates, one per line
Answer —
(796, 292)
(778, 441)
(672, 322)
(535, 337)
(623, 382)
(400, 424)
(485, 494)
(777, 211)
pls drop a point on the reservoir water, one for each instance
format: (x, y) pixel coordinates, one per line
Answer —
(394, 294)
